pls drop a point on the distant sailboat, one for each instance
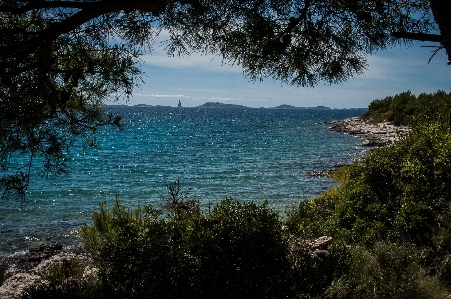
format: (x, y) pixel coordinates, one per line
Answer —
(180, 104)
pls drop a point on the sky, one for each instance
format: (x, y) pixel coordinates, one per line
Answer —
(197, 79)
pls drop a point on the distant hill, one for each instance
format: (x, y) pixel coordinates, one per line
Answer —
(220, 105)
(319, 108)
(285, 106)
(156, 106)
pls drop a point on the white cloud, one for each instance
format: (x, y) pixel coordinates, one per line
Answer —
(198, 79)
(160, 95)
(159, 58)
(138, 97)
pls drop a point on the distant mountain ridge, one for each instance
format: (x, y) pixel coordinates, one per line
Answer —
(285, 106)
(222, 105)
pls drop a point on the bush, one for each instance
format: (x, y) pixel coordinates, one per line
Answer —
(243, 252)
(386, 271)
(406, 109)
(136, 251)
(179, 203)
(236, 251)
(308, 220)
(398, 194)
(65, 281)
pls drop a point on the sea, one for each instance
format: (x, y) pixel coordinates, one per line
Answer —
(248, 154)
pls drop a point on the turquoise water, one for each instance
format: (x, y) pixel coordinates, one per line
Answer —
(247, 154)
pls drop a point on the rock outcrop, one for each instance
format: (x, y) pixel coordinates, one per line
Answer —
(372, 133)
(25, 271)
(312, 252)
(17, 285)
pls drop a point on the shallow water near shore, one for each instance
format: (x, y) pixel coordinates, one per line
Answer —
(247, 154)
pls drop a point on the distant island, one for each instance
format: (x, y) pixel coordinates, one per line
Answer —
(285, 106)
(156, 106)
(139, 105)
(222, 105)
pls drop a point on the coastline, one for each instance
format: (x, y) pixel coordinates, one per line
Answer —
(20, 273)
(24, 271)
(373, 133)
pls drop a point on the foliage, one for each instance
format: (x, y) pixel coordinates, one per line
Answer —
(341, 174)
(397, 195)
(58, 272)
(65, 280)
(406, 109)
(386, 271)
(60, 61)
(308, 219)
(237, 250)
(180, 203)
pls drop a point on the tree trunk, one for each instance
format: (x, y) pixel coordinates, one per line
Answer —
(442, 15)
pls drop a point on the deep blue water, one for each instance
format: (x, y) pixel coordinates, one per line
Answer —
(247, 154)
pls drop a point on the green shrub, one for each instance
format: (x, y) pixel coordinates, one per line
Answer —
(179, 203)
(341, 174)
(386, 271)
(403, 108)
(398, 193)
(59, 272)
(236, 251)
(136, 251)
(65, 281)
(406, 109)
(309, 219)
(243, 252)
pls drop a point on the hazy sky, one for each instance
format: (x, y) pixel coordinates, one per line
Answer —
(198, 79)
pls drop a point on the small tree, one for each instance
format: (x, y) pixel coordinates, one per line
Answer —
(179, 203)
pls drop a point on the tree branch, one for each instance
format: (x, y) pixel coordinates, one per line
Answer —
(43, 5)
(418, 36)
(93, 10)
(90, 11)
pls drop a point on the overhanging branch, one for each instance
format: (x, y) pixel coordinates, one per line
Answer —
(43, 5)
(418, 36)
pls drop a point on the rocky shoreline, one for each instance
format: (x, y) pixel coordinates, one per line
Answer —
(372, 133)
(21, 273)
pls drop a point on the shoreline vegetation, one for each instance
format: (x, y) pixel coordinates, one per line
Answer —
(372, 133)
(385, 232)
